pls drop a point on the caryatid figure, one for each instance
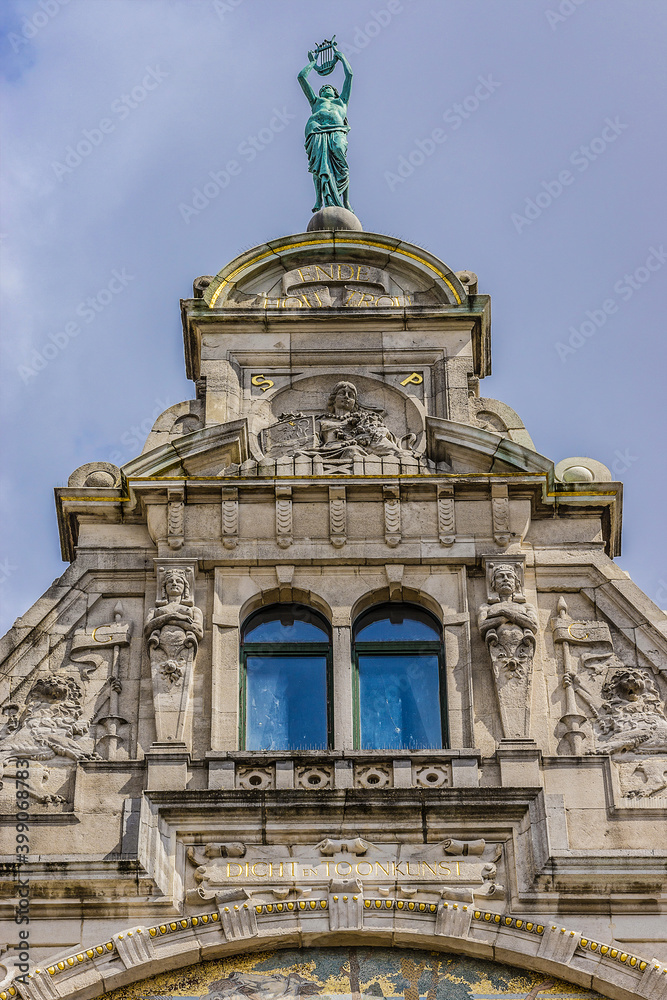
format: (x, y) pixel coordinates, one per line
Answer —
(508, 624)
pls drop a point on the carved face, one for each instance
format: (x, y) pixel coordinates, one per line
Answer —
(504, 580)
(345, 399)
(174, 585)
(328, 91)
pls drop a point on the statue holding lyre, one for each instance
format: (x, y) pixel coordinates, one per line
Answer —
(327, 128)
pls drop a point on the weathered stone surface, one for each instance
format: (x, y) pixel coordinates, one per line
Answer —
(338, 456)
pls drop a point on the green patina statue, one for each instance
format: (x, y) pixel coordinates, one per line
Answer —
(327, 128)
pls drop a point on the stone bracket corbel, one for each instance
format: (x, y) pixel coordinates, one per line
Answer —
(392, 514)
(284, 536)
(500, 512)
(230, 516)
(337, 516)
(176, 516)
(446, 514)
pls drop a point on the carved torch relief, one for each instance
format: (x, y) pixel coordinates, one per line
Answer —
(508, 624)
(173, 630)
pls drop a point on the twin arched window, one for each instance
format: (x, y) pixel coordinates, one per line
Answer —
(397, 680)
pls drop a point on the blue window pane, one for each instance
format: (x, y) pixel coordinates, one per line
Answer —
(286, 702)
(286, 623)
(399, 700)
(397, 624)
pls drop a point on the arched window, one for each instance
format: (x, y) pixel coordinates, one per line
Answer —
(399, 679)
(286, 670)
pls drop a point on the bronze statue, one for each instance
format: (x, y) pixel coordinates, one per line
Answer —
(327, 128)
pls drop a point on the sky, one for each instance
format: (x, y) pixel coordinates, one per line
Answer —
(146, 142)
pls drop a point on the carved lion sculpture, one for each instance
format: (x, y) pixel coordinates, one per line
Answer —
(632, 714)
(48, 727)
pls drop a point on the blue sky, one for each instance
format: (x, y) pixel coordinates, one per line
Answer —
(545, 175)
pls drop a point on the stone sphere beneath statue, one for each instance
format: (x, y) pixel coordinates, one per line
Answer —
(334, 217)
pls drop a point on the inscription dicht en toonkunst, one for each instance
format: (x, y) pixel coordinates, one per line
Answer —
(290, 870)
(451, 869)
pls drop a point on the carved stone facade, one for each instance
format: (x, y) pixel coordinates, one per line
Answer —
(338, 528)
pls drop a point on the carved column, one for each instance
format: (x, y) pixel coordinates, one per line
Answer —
(508, 624)
(173, 630)
(342, 677)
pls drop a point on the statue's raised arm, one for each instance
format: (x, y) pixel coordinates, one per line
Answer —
(347, 86)
(303, 79)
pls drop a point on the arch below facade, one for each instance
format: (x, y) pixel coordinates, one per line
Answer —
(547, 951)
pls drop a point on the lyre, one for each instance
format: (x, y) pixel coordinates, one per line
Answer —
(325, 56)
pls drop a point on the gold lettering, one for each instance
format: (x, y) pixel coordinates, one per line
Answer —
(444, 869)
(327, 274)
(366, 299)
(256, 873)
(398, 869)
(390, 300)
(309, 871)
(246, 869)
(235, 864)
(347, 865)
(413, 874)
(353, 292)
(326, 865)
(414, 379)
(368, 865)
(430, 868)
(458, 868)
(292, 298)
(366, 274)
(306, 277)
(262, 382)
(385, 871)
(293, 864)
(350, 272)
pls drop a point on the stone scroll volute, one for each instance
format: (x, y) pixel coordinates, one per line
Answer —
(173, 631)
(508, 624)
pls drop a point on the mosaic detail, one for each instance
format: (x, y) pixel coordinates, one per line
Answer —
(352, 974)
